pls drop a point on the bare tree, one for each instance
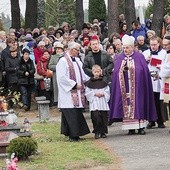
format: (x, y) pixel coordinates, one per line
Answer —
(15, 14)
(158, 13)
(129, 12)
(79, 15)
(113, 16)
(31, 14)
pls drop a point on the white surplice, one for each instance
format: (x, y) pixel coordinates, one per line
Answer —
(161, 56)
(96, 103)
(65, 84)
(165, 78)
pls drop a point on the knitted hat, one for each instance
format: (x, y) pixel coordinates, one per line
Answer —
(25, 50)
(31, 44)
(94, 37)
(41, 43)
(28, 37)
(58, 45)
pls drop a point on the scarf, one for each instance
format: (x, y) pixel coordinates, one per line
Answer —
(74, 92)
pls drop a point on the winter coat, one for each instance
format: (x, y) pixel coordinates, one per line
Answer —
(11, 67)
(42, 70)
(4, 54)
(106, 65)
(26, 66)
(37, 53)
(139, 31)
(52, 66)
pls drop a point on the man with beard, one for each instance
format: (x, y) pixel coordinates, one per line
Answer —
(99, 57)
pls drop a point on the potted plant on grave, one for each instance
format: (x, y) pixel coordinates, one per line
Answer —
(6, 96)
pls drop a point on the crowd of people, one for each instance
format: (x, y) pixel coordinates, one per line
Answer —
(124, 77)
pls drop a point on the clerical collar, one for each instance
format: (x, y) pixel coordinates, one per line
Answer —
(168, 51)
(155, 52)
(73, 59)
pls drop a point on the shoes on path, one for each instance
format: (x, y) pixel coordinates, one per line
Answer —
(132, 132)
(141, 131)
(150, 125)
(161, 126)
(103, 135)
(97, 135)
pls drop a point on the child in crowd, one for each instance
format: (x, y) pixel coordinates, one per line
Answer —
(97, 93)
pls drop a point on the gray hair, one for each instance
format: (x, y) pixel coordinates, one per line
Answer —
(2, 33)
(72, 45)
(140, 36)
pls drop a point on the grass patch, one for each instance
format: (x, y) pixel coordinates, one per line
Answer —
(56, 153)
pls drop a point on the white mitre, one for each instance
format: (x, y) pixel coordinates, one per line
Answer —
(128, 40)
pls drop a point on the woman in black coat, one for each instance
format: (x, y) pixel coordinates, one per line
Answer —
(11, 66)
(26, 78)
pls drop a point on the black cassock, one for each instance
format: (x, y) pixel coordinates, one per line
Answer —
(73, 123)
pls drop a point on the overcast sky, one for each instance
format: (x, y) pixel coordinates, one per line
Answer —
(5, 5)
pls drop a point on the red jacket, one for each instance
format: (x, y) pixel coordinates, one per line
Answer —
(42, 70)
(38, 53)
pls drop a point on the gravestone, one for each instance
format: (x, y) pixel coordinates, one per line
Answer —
(43, 108)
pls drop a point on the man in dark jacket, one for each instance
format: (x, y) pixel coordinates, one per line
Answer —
(99, 57)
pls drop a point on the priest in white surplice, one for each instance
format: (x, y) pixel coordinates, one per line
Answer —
(71, 99)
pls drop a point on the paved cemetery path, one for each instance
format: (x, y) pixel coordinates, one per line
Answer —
(141, 152)
(136, 152)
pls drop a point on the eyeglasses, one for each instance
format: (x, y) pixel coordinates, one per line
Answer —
(166, 44)
(76, 49)
(154, 44)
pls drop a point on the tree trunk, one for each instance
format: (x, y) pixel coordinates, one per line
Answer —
(113, 16)
(15, 14)
(158, 13)
(41, 13)
(129, 12)
(79, 15)
(31, 14)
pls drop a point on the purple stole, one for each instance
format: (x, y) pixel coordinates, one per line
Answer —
(74, 92)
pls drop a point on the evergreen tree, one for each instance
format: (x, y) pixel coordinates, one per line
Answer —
(6, 21)
(121, 7)
(97, 9)
(41, 13)
(149, 9)
(58, 11)
(1, 24)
